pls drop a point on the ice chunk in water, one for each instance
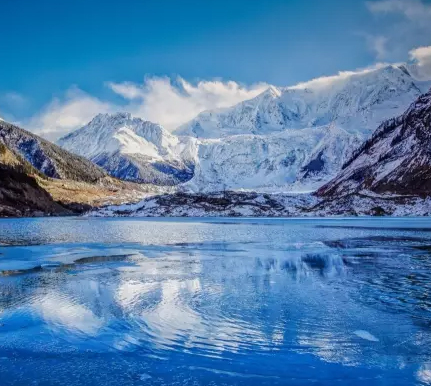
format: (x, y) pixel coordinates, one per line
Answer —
(366, 335)
(145, 377)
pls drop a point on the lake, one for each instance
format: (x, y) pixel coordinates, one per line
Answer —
(215, 301)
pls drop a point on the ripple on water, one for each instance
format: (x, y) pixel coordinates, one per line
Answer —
(253, 304)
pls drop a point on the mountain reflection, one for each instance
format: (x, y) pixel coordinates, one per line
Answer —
(281, 309)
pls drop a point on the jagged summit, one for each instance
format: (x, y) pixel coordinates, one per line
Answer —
(131, 149)
(356, 101)
(120, 131)
(272, 92)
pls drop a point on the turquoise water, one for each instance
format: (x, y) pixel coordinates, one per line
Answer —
(215, 302)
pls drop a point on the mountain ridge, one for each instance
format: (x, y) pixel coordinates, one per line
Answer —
(346, 102)
(132, 149)
(395, 160)
(285, 139)
(40, 178)
(48, 158)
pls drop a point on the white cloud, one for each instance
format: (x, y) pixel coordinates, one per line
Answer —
(172, 103)
(14, 98)
(11, 104)
(410, 28)
(422, 58)
(61, 116)
(157, 99)
(330, 81)
(378, 44)
(414, 10)
(127, 90)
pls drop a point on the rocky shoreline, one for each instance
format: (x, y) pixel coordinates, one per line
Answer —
(251, 204)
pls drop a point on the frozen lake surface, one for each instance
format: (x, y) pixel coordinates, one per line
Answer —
(215, 301)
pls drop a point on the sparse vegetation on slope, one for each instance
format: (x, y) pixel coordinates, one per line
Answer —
(40, 178)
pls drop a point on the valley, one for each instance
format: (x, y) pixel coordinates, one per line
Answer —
(355, 144)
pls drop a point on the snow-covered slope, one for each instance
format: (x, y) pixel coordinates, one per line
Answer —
(293, 160)
(356, 102)
(132, 149)
(395, 160)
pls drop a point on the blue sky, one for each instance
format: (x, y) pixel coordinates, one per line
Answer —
(56, 51)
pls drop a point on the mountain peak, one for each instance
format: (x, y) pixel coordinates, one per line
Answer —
(272, 91)
(130, 148)
(111, 118)
(358, 101)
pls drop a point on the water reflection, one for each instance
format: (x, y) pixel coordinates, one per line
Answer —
(285, 304)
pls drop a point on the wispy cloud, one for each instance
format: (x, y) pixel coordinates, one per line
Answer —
(414, 10)
(172, 103)
(12, 103)
(378, 45)
(402, 25)
(158, 99)
(422, 58)
(333, 80)
(63, 115)
(14, 98)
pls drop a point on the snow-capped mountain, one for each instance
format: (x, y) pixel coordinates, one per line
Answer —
(286, 139)
(389, 175)
(395, 160)
(302, 135)
(356, 102)
(132, 149)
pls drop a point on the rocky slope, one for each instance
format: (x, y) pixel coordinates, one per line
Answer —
(221, 204)
(20, 194)
(38, 177)
(48, 158)
(253, 204)
(396, 160)
(133, 150)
